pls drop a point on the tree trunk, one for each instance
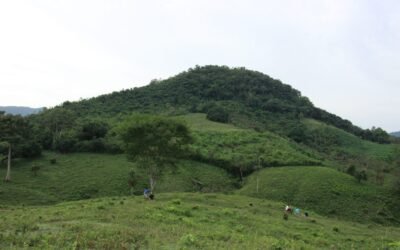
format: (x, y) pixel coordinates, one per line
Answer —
(8, 175)
(152, 183)
(257, 184)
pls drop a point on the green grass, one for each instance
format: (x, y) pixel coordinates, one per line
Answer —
(199, 122)
(246, 147)
(81, 176)
(219, 142)
(182, 221)
(352, 144)
(324, 190)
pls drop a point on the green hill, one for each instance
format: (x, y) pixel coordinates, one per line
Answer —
(182, 221)
(244, 97)
(324, 190)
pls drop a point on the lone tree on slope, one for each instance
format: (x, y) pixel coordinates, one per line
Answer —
(154, 142)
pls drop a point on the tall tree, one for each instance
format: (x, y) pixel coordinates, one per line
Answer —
(57, 121)
(154, 142)
(13, 130)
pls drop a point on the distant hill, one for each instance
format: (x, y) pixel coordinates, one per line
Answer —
(16, 110)
(396, 134)
(239, 96)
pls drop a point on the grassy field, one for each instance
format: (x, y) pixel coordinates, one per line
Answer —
(81, 176)
(182, 221)
(326, 191)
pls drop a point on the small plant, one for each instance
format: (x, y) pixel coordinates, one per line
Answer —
(35, 169)
(188, 240)
(335, 229)
(176, 202)
(53, 161)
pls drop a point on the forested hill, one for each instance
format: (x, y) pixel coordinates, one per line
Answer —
(234, 95)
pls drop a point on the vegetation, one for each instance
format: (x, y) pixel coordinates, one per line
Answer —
(183, 221)
(154, 142)
(236, 95)
(16, 138)
(77, 176)
(338, 195)
(208, 130)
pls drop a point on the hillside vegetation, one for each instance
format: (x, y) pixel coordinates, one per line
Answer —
(235, 95)
(326, 191)
(182, 221)
(73, 170)
(82, 176)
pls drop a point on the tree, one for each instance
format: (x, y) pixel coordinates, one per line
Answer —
(14, 130)
(218, 114)
(57, 121)
(154, 142)
(91, 130)
(351, 170)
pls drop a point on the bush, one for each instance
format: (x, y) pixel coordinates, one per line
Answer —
(94, 146)
(218, 114)
(93, 130)
(29, 149)
(66, 143)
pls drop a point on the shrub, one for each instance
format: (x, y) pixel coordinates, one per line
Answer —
(218, 114)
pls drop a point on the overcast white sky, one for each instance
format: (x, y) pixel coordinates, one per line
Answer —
(342, 54)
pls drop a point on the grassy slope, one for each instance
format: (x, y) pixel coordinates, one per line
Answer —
(79, 176)
(228, 143)
(182, 221)
(352, 144)
(325, 190)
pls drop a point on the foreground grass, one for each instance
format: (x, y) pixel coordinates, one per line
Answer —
(182, 221)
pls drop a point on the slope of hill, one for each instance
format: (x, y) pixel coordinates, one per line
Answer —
(230, 147)
(182, 221)
(343, 142)
(326, 191)
(16, 110)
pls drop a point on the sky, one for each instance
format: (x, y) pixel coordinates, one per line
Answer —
(342, 54)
